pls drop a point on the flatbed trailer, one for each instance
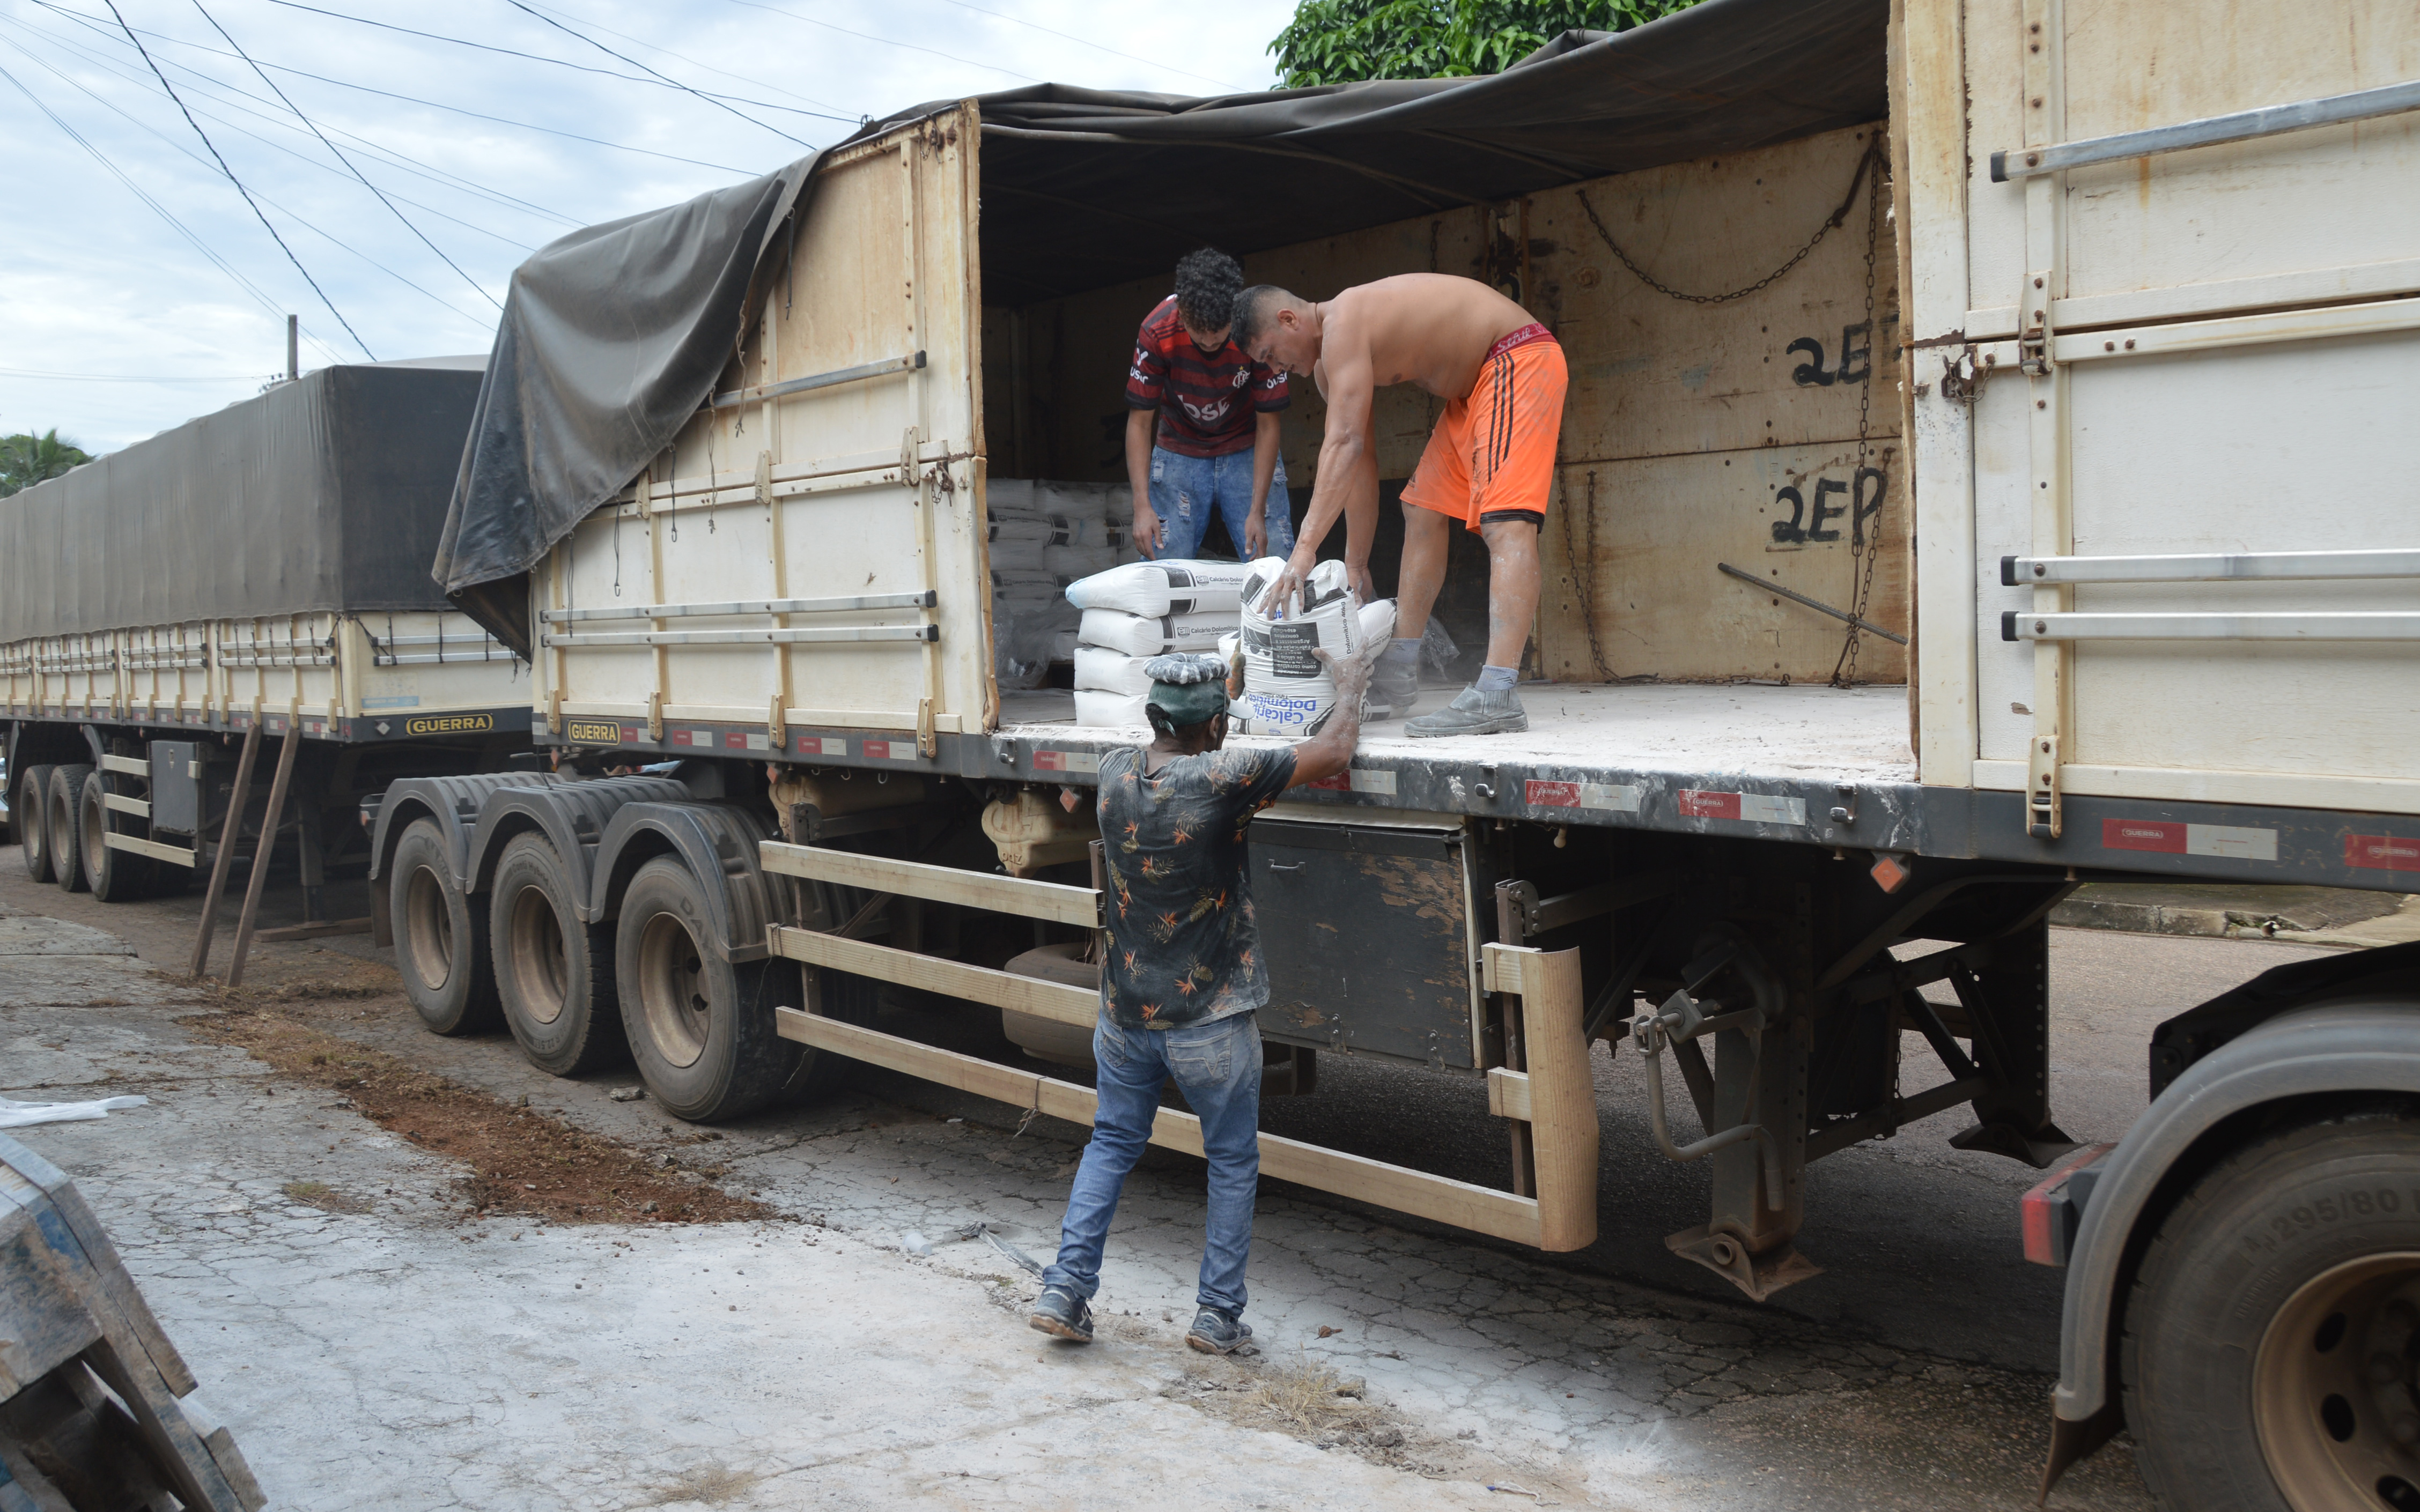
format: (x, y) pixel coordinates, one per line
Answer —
(2053, 340)
(256, 574)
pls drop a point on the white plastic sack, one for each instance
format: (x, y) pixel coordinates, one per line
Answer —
(1093, 707)
(1157, 588)
(1140, 636)
(1287, 692)
(21, 1115)
(1099, 670)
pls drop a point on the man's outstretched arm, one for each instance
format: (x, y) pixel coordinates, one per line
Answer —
(1346, 456)
(1330, 751)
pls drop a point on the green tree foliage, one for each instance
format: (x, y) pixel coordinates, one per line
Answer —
(1340, 41)
(27, 459)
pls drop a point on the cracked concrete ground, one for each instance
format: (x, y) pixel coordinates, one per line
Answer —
(400, 1356)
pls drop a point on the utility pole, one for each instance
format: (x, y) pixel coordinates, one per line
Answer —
(293, 348)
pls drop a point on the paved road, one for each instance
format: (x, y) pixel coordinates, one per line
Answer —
(1908, 1374)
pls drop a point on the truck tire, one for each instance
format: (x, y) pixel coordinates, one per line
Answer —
(30, 815)
(115, 877)
(440, 941)
(66, 820)
(554, 975)
(701, 1028)
(2271, 1337)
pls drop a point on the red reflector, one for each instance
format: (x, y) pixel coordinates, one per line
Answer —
(2041, 1210)
(1888, 873)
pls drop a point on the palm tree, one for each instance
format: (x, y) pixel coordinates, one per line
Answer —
(27, 459)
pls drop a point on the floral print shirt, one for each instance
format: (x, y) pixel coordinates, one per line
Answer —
(1182, 946)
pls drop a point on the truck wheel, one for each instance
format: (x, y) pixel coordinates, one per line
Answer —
(115, 877)
(66, 820)
(553, 974)
(2274, 1331)
(30, 815)
(440, 941)
(701, 1028)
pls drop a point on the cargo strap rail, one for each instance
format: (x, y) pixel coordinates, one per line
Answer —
(910, 363)
(2213, 567)
(2269, 121)
(2380, 624)
(1556, 1096)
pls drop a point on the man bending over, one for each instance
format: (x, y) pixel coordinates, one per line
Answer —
(1490, 464)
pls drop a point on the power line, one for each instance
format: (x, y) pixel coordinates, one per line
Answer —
(891, 41)
(241, 189)
(1156, 63)
(346, 161)
(413, 99)
(560, 62)
(188, 153)
(200, 245)
(636, 64)
(700, 63)
(384, 154)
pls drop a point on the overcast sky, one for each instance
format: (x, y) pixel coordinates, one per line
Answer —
(97, 285)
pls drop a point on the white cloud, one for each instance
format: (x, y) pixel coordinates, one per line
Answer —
(97, 284)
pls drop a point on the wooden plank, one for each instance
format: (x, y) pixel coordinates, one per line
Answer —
(120, 803)
(237, 801)
(313, 932)
(1052, 901)
(1442, 1199)
(126, 766)
(1052, 1000)
(152, 848)
(1562, 1100)
(259, 879)
(1508, 1093)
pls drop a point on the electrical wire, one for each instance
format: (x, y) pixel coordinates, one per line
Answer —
(178, 146)
(184, 230)
(667, 78)
(700, 63)
(413, 99)
(346, 161)
(891, 41)
(384, 154)
(560, 62)
(241, 189)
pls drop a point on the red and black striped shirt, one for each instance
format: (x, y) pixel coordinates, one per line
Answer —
(1206, 402)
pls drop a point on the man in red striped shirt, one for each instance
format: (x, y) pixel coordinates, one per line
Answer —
(1214, 412)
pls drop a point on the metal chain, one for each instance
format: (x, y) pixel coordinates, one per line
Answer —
(1584, 579)
(1872, 160)
(1845, 669)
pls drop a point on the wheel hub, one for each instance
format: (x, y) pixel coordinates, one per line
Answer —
(2337, 1389)
(671, 987)
(541, 968)
(432, 928)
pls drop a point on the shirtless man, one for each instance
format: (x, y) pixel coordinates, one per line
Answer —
(1490, 464)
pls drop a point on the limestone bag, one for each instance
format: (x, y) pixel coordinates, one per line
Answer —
(1148, 636)
(1152, 588)
(1286, 691)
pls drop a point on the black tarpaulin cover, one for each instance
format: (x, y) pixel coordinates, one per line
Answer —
(325, 494)
(613, 337)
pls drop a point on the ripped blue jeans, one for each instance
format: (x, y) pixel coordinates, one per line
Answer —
(1218, 1067)
(1186, 489)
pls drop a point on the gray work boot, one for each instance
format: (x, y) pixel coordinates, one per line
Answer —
(1062, 1314)
(1216, 1333)
(1394, 688)
(1474, 712)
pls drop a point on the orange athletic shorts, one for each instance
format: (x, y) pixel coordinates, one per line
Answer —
(1493, 451)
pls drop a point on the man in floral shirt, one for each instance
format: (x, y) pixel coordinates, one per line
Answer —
(1183, 975)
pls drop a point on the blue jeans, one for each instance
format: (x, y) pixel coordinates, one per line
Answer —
(1218, 1067)
(1186, 489)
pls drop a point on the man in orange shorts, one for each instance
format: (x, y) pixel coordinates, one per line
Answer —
(1490, 464)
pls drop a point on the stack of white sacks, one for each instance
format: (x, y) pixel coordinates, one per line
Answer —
(1134, 612)
(1044, 536)
(1287, 690)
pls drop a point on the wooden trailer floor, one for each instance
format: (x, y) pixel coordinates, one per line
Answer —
(1808, 733)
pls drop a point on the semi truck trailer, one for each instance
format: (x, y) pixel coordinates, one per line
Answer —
(260, 572)
(1969, 489)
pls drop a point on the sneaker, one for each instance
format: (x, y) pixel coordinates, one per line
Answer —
(1062, 1314)
(1214, 1332)
(1394, 689)
(1474, 712)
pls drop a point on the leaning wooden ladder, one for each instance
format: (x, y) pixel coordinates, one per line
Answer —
(1556, 1096)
